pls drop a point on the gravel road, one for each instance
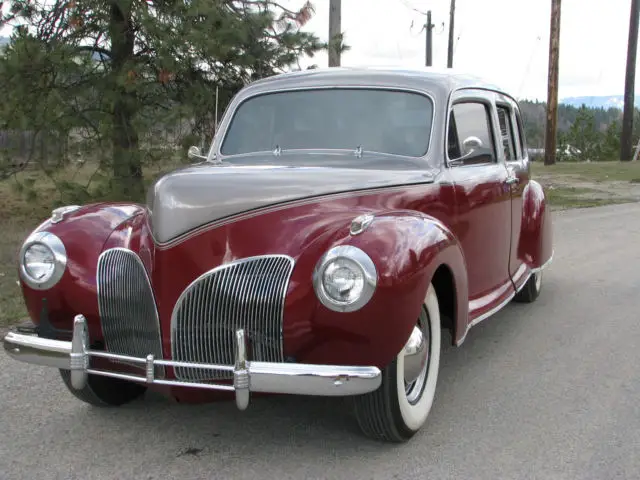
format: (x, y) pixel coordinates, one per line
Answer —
(549, 390)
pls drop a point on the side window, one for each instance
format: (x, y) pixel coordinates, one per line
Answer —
(470, 139)
(506, 133)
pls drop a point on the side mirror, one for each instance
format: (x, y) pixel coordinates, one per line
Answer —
(194, 153)
(470, 145)
(473, 153)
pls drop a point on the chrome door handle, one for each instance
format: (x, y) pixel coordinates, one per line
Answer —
(512, 180)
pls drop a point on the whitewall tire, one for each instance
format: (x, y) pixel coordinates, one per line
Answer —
(399, 408)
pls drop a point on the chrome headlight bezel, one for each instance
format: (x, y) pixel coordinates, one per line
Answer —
(363, 262)
(55, 245)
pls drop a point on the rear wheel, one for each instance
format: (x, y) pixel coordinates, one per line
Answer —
(399, 408)
(104, 391)
(531, 289)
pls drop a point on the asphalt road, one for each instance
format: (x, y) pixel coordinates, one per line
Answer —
(549, 390)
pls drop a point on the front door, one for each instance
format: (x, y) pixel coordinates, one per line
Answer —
(483, 199)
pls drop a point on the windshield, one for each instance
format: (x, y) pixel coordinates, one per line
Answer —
(385, 121)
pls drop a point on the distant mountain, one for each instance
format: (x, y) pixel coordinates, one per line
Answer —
(4, 40)
(611, 101)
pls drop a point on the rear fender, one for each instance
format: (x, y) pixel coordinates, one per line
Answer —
(535, 246)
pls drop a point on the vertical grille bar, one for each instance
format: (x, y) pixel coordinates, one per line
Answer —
(247, 293)
(127, 307)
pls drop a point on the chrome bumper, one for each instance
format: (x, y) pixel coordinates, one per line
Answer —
(248, 376)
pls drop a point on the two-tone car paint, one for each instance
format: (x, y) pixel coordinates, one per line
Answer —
(479, 235)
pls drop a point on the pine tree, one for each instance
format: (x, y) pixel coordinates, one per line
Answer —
(112, 73)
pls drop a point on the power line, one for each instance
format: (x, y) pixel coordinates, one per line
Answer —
(412, 8)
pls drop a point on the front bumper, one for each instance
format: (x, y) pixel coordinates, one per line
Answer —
(248, 376)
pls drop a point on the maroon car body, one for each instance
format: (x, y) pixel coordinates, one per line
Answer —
(453, 209)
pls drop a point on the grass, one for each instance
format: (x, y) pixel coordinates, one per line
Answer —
(19, 215)
(14, 231)
(593, 171)
(575, 197)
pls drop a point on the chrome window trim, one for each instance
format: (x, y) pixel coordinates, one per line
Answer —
(472, 94)
(215, 155)
(53, 243)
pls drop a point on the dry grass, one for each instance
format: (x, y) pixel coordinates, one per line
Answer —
(13, 233)
(592, 171)
(574, 185)
(21, 213)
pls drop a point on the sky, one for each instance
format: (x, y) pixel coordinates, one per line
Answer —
(503, 41)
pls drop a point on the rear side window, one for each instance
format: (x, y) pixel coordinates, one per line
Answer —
(523, 140)
(470, 137)
(506, 133)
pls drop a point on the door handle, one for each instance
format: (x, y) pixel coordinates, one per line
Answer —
(512, 180)
(512, 177)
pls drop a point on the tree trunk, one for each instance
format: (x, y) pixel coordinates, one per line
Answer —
(127, 167)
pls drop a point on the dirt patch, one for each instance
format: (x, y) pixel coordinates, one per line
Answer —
(568, 191)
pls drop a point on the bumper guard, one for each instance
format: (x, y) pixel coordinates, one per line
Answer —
(248, 376)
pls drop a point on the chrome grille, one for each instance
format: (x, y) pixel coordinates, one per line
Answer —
(249, 294)
(127, 306)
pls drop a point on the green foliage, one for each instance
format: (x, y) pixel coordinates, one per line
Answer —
(124, 83)
(583, 133)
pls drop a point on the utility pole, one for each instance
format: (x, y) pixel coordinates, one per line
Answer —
(335, 19)
(429, 28)
(552, 97)
(626, 143)
(451, 25)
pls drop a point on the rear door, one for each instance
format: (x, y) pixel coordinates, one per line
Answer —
(515, 156)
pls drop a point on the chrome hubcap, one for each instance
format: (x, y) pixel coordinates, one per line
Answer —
(416, 356)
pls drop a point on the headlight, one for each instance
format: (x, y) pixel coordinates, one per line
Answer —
(43, 260)
(345, 279)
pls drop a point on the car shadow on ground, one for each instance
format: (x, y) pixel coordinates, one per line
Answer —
(313, 422)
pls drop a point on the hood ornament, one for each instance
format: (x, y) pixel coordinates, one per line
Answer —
(58, 214)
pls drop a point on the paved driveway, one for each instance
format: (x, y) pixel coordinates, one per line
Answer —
(549, 390)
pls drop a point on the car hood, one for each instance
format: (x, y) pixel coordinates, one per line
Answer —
(189, 198)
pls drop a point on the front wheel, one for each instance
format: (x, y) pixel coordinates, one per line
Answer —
(397, 410)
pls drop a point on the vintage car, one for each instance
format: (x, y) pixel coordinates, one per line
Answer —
(340, 221)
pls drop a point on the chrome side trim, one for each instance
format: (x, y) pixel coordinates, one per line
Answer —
(495, 310)
(545, 265)
(248, 376)
(484, 316)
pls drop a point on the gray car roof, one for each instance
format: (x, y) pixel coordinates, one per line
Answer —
(436, 80)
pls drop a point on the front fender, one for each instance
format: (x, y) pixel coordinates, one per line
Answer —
(83, 233)
(535, 246)
(407, 249)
